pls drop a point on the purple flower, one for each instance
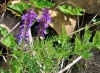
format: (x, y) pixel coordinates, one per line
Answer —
(27, 21)
(44, 21)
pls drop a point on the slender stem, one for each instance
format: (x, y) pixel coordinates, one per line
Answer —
(94, 17)
(84, 28)
(17, 14)
(4, 58)
(30, 35)
(70, 65)
(30, 38)
(10, 31)
(62, 63)
(2, 15)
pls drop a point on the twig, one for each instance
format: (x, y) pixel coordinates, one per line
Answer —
(10, 32)
(94, 17)
(59, 5)
(3, 12)
(4, 59)
(62, 63)
(30, 35)
(2, 15)
(30, 38)
(70, 65)
(84, 28)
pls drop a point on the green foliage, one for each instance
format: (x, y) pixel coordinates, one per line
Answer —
(83, 46)
(41, 3)
(24, 63)
(96, 39)
(26, 5)
(9, 40)
(71, 11)
(48, 53)
(46, 58)
(19, 7)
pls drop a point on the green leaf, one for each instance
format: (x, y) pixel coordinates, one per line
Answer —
(78, 43)
(66, 9)
(9, 40)
(96, 39)
(87, 35)
(17, 53)
(82, 49)
(85, 54)
(18, 7)
(25, 5)
(41, 3)
(77, 10)
(70, 10)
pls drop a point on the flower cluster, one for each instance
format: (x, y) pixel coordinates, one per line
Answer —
(44, 21)
(27, 21)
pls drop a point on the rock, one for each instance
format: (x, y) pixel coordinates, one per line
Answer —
(9, 20)
(90, 6)
(59, 19)
(93, 65)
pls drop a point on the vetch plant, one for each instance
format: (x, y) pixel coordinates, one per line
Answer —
(27, 21)
(44, 20)
(46, 55)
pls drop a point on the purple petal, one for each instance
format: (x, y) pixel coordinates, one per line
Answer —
(46, 25)
(44, 31)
